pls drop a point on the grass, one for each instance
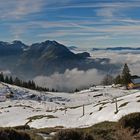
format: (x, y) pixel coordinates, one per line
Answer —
(101, 131)
(105, 130)
(91, 113)
(104, 103)
(138, 101)
(130, 121)
(72, 135)
(50, 116)
(13, 134)
(48, 130)
(75, 107)
(124, 104)
(138, 96)
(96, 105)
(101, 103)
(101, 107)
(37, 117)
(25, 106)
(113, 130)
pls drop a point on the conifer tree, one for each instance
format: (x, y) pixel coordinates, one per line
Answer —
(33, 84)
(118, 80)
(25, 84)
(10, 80)
(1, 77)
(126, 76)
(6, 80)
(29, 84)
(17, 81)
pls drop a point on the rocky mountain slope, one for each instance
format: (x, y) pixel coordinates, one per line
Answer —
(46, 58)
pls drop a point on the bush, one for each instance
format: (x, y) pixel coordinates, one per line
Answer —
(72, 135)
(22, 127)
(131, 121)
(11, 134)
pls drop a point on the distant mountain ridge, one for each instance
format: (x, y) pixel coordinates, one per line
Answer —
(116, 49)
(14, 48)
(46, 58)
(73, 47)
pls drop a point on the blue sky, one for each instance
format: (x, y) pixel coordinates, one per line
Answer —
(82, 23)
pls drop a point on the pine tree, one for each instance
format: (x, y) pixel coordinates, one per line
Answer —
(126, 76)
(118, 80)
(6, 80)
(17, 81)
(29, 84)
(10, 80)
(1, 77)
(76, 90)
(33, 84)
(25, 84)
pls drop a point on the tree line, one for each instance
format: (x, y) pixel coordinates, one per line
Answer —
(124, 79)
(26, 84)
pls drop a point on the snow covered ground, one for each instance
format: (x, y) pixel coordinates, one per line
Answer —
(21, 106)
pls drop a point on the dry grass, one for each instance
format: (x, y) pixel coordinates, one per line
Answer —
(124, 104)
(127, 128)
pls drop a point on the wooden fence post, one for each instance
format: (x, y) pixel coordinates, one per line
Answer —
(116, 104)
(83, 110)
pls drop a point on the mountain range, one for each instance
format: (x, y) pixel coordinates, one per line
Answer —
(117, 49)
(46, 58)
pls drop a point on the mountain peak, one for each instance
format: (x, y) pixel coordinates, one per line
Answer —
(18, 43)
(51, 42)
(2, 43)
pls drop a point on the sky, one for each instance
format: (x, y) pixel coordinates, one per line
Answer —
(81, 23)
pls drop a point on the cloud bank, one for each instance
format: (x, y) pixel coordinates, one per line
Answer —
(70, 80)
(132, 58)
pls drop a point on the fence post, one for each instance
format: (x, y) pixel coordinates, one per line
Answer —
(65, 110)
(116, 104)
(83, 109)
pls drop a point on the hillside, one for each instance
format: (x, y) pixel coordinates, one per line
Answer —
(20, 106)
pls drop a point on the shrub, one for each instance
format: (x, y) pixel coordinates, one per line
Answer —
(72, 135)
(131, 121)
(11, 134)
(22, 127)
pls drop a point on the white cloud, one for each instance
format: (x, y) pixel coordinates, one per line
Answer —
(132, 58)
(70, 4)
(70, 80)
(16, 9)
(106, 12)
